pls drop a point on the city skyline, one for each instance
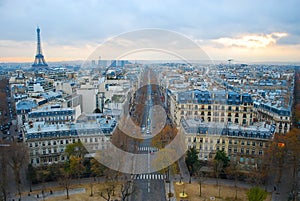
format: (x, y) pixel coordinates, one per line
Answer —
(245, 31)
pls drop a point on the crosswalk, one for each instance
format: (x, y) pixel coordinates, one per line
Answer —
(148, 149)
(149, 176)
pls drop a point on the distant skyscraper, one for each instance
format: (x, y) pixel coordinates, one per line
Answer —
(39, 60)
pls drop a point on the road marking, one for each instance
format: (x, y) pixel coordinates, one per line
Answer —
(149, 177)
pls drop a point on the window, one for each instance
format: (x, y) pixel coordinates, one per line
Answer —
(253, 143)
(242, 150)
(253, 152)
(243, 142)
(230, 141)
(260, 152)
(247, 151)
(218, 141)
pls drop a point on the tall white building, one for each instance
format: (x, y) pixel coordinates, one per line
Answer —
(90, 99)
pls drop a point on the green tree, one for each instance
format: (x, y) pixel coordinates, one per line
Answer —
(76, 166)
(97, 110)
(76, 149)
(222, 156)
(191, 159)
(97, 168)
(256, 194)
(31, 175)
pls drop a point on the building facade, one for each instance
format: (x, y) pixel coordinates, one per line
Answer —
(242, 144)
(47, 142)
(216, 106)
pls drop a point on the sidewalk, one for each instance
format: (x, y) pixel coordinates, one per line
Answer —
(281, 194)
(39, 196)
(167, 185)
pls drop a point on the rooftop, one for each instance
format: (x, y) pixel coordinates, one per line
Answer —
(261, 130)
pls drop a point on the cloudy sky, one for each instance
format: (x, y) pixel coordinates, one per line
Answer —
(247, 31)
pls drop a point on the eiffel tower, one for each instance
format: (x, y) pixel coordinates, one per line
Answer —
(39, 60)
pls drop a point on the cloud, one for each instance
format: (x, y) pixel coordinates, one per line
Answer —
(252, 41)
(74, 23)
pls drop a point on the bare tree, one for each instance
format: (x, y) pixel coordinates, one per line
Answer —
(107, 194)
(3, 172)
(233, 171)
(126, 190)
(200, 175)
(65, 179)
(218, 168)
(18, 161)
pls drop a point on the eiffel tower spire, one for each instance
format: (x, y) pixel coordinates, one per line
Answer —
(39, 60)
